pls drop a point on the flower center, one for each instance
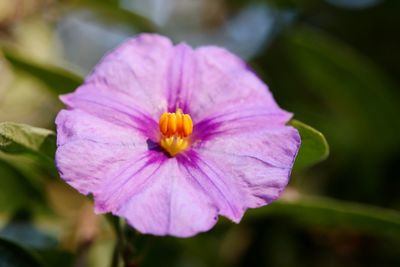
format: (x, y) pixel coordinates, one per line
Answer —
(175, 129)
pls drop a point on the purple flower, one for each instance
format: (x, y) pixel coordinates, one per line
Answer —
(170, 137)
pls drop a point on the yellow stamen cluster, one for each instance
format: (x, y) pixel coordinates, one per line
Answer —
(175, 129)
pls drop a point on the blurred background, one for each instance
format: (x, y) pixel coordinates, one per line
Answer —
(333, 63)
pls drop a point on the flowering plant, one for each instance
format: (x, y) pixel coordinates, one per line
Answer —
(170, 137)
(163, 141)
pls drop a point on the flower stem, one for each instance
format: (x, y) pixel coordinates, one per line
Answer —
(124, 248)
(119, 243)
(115, 261)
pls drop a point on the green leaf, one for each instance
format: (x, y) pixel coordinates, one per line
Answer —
(314, 147)
(14, 255)
(31, 168)
(59, 80)
(17, 191)
(326, 212)
(109, 11)
(357, 101)
(18, 138)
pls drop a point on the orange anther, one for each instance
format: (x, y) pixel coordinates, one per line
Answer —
(177, 123)
(175, 129)
(163, 124)
(187, 124)
(171, 124)
(179, 120)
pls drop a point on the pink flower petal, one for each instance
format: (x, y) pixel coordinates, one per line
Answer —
(257, 163)
(211, 80)
(169, 203)
(91, 150)
(183, 196)
(129, 83)
(240, 158)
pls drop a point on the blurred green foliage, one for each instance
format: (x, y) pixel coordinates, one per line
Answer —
(13, 255)
(59, 80)
(334, 64)
(21, 138)
(314, 147)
